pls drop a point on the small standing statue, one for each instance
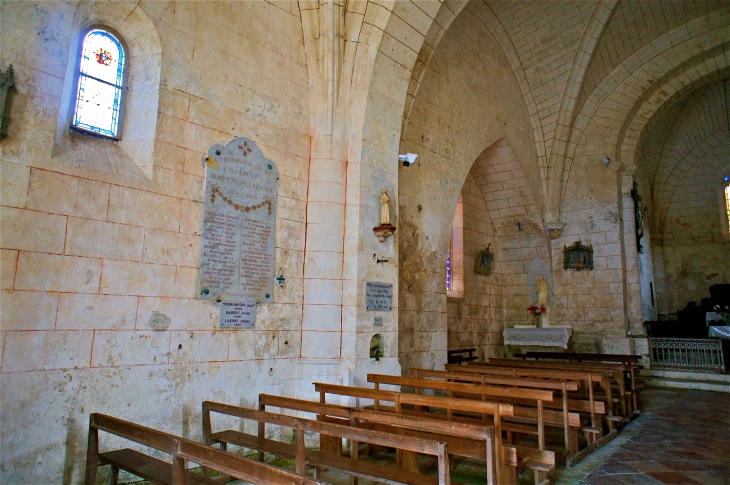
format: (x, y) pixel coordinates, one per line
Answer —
(384, 208)
(384, 229)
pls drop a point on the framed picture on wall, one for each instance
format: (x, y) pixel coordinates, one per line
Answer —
(578, 256)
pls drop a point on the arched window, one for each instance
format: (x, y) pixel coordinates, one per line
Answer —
(455, 258)
(100, 87)
(727, 201)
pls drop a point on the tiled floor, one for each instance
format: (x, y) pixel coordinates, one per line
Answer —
(683, 437)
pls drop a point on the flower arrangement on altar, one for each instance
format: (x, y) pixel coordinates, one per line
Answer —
(536, 310)
(724, 312)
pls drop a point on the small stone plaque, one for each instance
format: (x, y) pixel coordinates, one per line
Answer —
(236, 314)
(378, 296)
(239, 224)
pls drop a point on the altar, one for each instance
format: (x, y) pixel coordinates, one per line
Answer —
(555, 338)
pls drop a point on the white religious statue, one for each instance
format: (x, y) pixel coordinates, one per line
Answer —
(542, 297)
(384, 208)
(542, 291)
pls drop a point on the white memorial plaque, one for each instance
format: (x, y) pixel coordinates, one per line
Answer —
(378, 296)
(237, 314)
(239, 224)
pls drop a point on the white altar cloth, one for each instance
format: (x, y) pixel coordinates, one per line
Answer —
(722, 332)
(544, 337)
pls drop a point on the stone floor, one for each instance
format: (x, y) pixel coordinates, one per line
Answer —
(682, 437)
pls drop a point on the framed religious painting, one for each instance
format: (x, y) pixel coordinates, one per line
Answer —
(484, 262)
(578, 256)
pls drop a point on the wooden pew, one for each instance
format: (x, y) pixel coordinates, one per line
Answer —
(461, 355)
(563, 386)
(540, 461)
(630, 365)
(324, 459)
(529, 404)
(462, 439)
(561, 376)
(161, 472)
(583, 357)
(586, 377)
(619, 373)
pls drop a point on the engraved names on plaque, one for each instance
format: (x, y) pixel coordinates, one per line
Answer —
(237, 314)
(239, 226)
(378, 296)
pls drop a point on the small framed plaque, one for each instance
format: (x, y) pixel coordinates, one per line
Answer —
(378, 296)
(237, 314)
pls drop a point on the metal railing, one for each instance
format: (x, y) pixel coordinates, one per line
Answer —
(686, 353)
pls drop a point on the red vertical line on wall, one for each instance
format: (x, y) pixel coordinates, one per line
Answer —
(304, 262)
(15, 273)
(136, 311)
(342, 271)
(91, 354)
(65, 236)
(101, 273)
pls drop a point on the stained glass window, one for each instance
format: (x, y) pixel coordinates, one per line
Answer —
(727, 202)
(100, 84)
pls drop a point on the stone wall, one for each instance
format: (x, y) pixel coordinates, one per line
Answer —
(689, 210)
(468, 100)
(96, 240)
(475, 316)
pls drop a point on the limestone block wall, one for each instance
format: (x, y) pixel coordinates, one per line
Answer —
(468, 99)
(591, 302)
(96, 243)
(475, 316)
(696, 247)
(690, 160)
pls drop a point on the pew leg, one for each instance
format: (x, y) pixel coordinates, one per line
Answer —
(407, 460)
(510, 475)
(541, 478)
(114, 477)
(572, 441)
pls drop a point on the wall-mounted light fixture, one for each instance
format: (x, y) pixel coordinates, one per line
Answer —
(606, 160)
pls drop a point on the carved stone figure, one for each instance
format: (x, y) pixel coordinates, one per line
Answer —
(384, 208)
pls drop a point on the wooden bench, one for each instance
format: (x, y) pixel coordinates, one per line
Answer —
(629, 363)
(586, 377)
(465, 440)
(529, 406)
(488, 413)
(620, 374)
(160, 472)
(324, 459)
(563, 386)
(583, 357)
(461, 355)
(567, 403)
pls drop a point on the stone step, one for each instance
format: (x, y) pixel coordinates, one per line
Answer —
(686, 380)
(684, 375)
(683, 384)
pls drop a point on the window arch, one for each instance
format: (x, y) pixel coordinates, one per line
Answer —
(726, 193)
(100, 88)
(455, 258)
